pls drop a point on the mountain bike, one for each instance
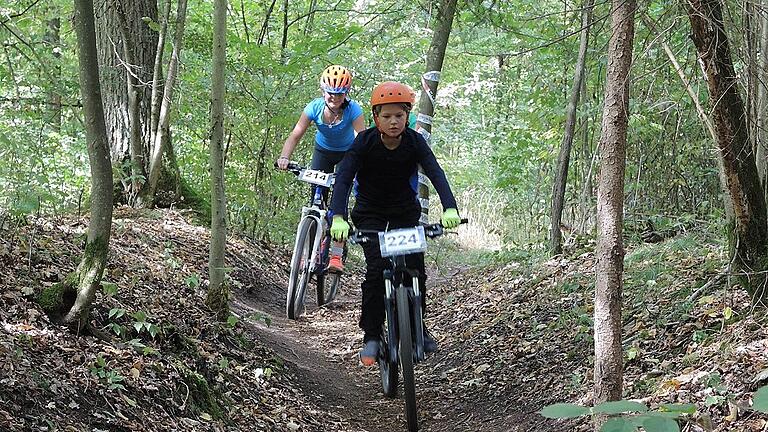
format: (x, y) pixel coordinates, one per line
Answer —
(402, 340)
(311, 250)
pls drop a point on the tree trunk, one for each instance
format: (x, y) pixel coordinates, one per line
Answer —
(138, 175)
(703, 116)
(112, 71)
(761, 139)
(157, 74)
(52, 39)
(561, 173)
(429, 82)
(610, 206)
(747, 242)
(218, 292)
(94, 259)
(155, 164)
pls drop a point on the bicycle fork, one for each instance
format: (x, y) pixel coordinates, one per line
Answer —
(319, 217)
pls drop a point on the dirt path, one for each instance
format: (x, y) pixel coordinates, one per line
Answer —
(321, 349)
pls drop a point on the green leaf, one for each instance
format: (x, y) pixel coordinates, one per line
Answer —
(109, 288)
(760, 399)
(232, 320)
(618, 424)
(660, 424)
(564, 410)
(152, 24)
(116, 312)
(679, 408)
(618, 407)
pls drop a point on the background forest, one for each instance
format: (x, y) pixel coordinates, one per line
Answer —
(545, 152)
(499, 115)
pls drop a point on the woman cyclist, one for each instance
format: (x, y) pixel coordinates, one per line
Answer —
(384, 158)
(338, 120)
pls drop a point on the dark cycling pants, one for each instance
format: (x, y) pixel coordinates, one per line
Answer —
(369, 217)
(326, 161)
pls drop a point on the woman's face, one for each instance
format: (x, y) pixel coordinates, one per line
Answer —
(392, 120)
(334, 100)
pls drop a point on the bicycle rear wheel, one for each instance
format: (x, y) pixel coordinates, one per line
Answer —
(406, 357)
(300, 263)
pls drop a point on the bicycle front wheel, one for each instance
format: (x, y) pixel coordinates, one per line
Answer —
(406, 357)
(300, 263)
(388, 365)
(328, 282)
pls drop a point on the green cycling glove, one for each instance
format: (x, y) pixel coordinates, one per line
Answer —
(339, 228)
(450, 218)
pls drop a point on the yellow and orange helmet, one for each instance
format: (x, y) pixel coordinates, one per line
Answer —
(336, 79)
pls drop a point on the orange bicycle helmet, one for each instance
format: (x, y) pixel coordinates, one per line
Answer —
(336, 79)
(392, 92)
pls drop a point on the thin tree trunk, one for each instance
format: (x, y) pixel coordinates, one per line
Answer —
(138, 175)
(157, 74)
(52, 38)
(94, 259)
(218, 292)
(747, 242)
(561, 174)
(750, 32)
(265, 26)
(703, 116)
(155, 164)
(429, 82)
(610, 206)
(761, 139)
(284, 39)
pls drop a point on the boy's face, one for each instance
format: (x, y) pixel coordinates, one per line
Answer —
(392, 120)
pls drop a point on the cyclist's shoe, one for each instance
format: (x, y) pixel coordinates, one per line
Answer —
(335, 264)
(430, 344)
(370, 352)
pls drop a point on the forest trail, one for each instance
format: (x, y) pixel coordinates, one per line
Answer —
(514, 337)
(322, 348)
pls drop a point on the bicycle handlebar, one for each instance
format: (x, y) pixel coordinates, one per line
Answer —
(293, 167)
(360, 236)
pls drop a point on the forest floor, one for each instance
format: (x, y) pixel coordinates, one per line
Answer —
(514, 337)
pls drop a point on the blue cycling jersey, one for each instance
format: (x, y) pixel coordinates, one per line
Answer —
(335, 137)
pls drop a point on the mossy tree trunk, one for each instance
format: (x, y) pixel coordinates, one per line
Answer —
(748, 239)
(218, 293)
(91, 268)
(610, 207)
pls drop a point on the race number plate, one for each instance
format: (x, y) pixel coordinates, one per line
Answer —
(316, 177)
(402, 241)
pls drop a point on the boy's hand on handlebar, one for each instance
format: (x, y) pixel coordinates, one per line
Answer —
(339, 228)
(450, 218)
(282, 162)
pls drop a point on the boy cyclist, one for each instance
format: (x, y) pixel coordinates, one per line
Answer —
(338, 120)
(384, 158)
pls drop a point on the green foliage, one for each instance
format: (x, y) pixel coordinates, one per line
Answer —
(662, 420)
(760, 400)
(107, 375)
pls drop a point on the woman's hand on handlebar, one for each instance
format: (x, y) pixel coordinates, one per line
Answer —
(282, 163)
